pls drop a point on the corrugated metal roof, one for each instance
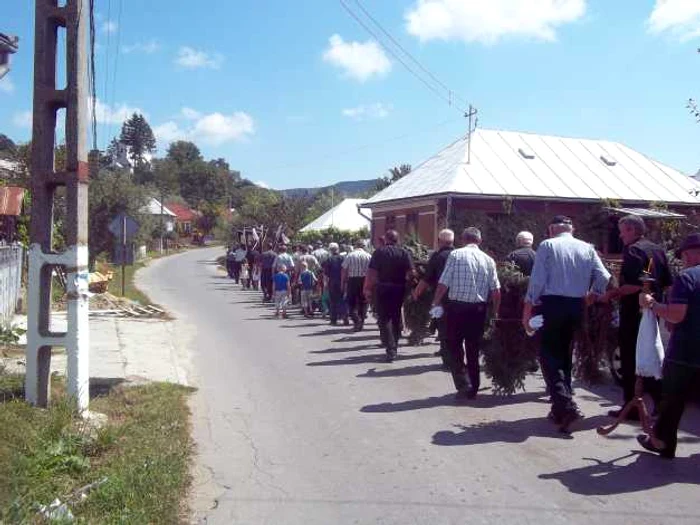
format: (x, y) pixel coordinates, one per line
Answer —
(507, 163)
(11, 198)
(343, 216)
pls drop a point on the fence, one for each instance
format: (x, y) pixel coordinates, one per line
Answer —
(11, 258)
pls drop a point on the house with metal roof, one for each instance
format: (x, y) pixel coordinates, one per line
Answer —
(532, 173)
(343, 216)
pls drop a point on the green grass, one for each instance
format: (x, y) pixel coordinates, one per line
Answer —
(130, 290)
(143, 453)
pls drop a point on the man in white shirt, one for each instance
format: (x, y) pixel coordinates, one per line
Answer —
(354, 272)
(471, 278)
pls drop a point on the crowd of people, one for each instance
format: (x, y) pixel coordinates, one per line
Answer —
(343, 283)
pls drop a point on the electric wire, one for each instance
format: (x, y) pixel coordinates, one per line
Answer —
(107, 27)
(393, 53)
(115, 70)
(91, 75)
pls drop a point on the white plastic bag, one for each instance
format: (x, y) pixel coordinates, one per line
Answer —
(650, 349)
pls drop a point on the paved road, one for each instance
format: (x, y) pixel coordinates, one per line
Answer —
(299, 422)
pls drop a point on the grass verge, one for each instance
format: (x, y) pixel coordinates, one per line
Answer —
(142, 454)
(130, 289)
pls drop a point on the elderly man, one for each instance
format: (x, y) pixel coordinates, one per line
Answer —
(267, 263)
(333, 272)
(283, 259)
(682, 364)
(565, 268)
(638, 256)
(523, 256)
(389, 269)
(355, 268)
(320, 252)
(470, 281)
(436, 264)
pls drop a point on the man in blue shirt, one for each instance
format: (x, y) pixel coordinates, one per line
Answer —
(682, 364)
(566, 272)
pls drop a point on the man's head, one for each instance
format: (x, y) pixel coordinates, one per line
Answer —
(391, 237)
(689, 250)
(318, 244)
(560, 224)
(446, 238)
(360, 244)
(471, 235)
(270, 245)
(304, 266)
(524, 240)
(282, 248)
(282, 268)
(632, 228)
(303, 248)
(333, 247)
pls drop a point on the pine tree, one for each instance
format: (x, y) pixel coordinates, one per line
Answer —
(138, 136)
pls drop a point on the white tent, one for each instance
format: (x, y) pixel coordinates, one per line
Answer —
(344, 216)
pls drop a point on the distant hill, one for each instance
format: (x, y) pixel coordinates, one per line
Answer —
(350, 188)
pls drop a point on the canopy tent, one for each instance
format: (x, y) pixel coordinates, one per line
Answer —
(344, 216)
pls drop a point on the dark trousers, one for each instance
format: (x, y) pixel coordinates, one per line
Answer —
(389, 300)
(266, 283)
(337, 305)
(464, 331)
(357, 305)
(629, 328)
(229, 268)
(679, 383)
(562, 317)
(236, 270)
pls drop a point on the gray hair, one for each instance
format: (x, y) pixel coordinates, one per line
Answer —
(471, 235)
(333, 247)
(524, 238)
(447, 235)
(636, 222)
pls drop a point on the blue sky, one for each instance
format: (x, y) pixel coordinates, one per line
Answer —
(299, 94)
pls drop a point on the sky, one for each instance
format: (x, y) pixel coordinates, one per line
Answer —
(298, 94)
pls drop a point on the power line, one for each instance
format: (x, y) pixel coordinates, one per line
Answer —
(115, 68)
(397, 57)
(91, 75)
(108, 28)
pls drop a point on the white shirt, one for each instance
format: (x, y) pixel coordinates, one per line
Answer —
(470, 275)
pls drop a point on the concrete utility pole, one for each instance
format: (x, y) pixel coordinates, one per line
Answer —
(74, 18)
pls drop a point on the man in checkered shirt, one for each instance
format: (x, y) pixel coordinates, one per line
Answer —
(355, 268)
(471, 278)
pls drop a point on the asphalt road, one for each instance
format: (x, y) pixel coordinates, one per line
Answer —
(298, 422)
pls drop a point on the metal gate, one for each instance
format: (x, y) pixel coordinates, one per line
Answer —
(11, 258)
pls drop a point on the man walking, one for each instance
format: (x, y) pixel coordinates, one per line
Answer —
(565, 268)
(333, 272)
(355, 268)
(682, 364)
(433, 272)
(267, 263)
(283, 259)
(523, 256)
(389, 269)
(238, 257)
(638, 256)
(470, 281)
(320, 252)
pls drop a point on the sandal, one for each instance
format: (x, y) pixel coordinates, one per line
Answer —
(645, 442)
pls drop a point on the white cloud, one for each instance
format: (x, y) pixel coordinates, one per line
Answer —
(358, 60)
(6, 85)
(680, 18)
(370, 111)
(147, 48)
(113, 115)
(490, 20)
(109, 27)
(190, 114)
(212, 129)
(262, 184)
(192, 59)
(22, 119)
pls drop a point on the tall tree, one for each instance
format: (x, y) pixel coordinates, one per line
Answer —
(183, 152)
(138, 136)
(395, 173)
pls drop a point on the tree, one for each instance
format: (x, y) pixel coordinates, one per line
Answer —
(395, 173)
(138, 136)
(8, 148)
(182, 152)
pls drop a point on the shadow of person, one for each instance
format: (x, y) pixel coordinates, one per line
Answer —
(509, 431)
(400, 372)
(646, 472)
(360, 359)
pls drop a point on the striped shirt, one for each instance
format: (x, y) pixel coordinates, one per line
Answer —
(567, 267)
(356, 263)
(470, 275)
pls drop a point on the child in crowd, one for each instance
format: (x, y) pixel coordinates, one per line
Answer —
(245, 275)
(307, 280)
(282, 291)
(255, 277)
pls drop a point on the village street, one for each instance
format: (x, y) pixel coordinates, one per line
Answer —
(300, 422)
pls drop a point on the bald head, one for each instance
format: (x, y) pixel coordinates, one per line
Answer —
(391, 237)
(524, 240)
(446, 238)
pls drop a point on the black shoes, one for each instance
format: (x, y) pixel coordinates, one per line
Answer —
(645, 442)
(391, 354)
(569, 417)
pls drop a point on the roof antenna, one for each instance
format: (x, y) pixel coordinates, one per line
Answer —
(473, 121)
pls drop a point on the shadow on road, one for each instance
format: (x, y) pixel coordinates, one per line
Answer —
(363, 359)
(509, 431)
(337, 350)
(647, 471)
(401, 372)
(481, 401)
